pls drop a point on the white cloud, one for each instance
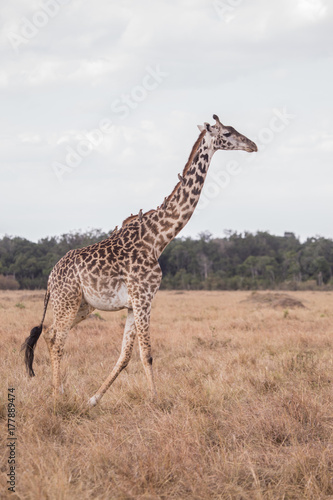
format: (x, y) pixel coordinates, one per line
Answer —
(313, 9)
(30, 138)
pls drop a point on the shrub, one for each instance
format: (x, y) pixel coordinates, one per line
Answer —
(8, 283)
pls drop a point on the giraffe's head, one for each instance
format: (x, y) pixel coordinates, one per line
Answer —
(225, 137)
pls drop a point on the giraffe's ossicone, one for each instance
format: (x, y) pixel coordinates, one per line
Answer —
(123, 270)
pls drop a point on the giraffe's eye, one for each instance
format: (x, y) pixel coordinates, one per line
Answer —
(227, 134)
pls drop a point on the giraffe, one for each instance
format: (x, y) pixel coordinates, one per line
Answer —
(122, 271)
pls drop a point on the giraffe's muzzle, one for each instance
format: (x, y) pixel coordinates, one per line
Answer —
(251, 147)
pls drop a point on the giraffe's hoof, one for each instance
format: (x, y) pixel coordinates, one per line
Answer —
(92, 401)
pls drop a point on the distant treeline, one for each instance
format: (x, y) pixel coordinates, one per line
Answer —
(235, 262)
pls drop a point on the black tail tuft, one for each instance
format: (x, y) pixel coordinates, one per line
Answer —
(29, 345)
(30, 342)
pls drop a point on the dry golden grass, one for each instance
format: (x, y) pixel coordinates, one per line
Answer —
(244, 408)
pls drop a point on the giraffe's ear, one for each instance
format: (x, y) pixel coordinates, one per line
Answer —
(201, 127)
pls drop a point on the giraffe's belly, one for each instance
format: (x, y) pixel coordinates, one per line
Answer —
(111, 298)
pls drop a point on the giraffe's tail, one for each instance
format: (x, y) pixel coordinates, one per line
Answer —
(30, 342)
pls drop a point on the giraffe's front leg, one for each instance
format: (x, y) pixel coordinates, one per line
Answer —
(125, 356)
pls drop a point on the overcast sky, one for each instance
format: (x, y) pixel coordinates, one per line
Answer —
(101, 102)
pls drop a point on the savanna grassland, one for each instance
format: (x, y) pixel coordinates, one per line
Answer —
(245, 406)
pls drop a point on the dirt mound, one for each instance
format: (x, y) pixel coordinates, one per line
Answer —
(273, 299)
(288, 303)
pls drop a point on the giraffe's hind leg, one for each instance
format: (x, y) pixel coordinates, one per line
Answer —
(65, 314)
(125, 356)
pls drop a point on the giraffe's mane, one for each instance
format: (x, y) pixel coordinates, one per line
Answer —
(195, 148)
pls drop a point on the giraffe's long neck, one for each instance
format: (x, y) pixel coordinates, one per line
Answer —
(179, 206)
